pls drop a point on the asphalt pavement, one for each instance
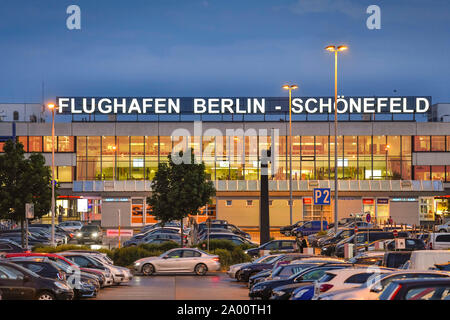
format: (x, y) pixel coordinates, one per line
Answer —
(213, 286)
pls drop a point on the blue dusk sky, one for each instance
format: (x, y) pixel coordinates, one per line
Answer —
(222, 48)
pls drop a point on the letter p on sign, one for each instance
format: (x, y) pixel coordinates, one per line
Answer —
(322, 196)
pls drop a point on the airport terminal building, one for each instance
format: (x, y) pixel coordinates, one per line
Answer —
(389, 164)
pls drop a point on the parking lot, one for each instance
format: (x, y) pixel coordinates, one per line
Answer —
(214, 286)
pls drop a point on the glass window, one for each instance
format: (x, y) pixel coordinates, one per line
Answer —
(65, 144)
(108, 157)
(438, 173)
(437, 143)
(48, 144)
(35, 144)
(421, 143)
(64, 174)
(422, 173)
(365, 157)
(24, 141)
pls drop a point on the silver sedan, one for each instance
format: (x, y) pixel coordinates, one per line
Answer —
(179, 260)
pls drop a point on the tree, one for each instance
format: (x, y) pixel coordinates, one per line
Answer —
(23, 181)
(179, 190)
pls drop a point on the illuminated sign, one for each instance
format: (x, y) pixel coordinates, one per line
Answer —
(211, 106)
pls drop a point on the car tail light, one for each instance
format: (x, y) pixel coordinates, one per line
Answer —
(216, 259)
(430, 246)
(325, 287)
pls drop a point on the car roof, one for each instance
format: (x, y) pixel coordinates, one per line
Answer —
(355, 270)
(423, 280)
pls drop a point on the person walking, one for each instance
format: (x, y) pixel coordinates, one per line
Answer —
(301, 243)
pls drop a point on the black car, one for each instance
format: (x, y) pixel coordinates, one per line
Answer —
(328, 244)
(9, 246)
(273, 245)
(85, 286)
(309, 272)
(225, 226)
(417, 289)
(58, 230)
(247, 271)
(363, 237)
(153, 238)
(395, 259)
(18, 283)
(150, 234)
(16, 236)
(90, 233)
(411, 244)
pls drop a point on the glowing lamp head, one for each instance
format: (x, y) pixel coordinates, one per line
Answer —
(286, 87)
(51, 106)
(342, 48)
(331, 48)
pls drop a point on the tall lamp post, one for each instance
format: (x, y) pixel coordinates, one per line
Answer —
(335, 50)
(52, 107)
(290, 88)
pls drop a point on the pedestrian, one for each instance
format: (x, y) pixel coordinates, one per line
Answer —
(301, 243)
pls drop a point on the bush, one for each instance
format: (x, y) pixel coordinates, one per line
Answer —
(239, 256)
(61, 248)
(127, 256)
(160, 247)
(224, 256)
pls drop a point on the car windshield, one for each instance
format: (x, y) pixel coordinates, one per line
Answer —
(300, 268)
(89, 228)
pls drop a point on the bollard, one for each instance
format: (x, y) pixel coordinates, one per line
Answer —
(348, 250)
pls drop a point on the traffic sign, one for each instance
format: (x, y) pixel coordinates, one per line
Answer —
(356, 229)
(368, 217)
(395, 233)
(322, 196)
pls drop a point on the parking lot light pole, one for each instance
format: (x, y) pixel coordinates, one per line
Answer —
(52, 107)
(336, 196)
(290, 88)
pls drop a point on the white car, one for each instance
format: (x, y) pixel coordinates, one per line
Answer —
(236, 267)
(346, 278)
(439, 241)
(443, 227)
(372, 288)
(179, 260)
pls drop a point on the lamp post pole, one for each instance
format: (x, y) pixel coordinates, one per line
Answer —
(290, 88)
(52, 107)
(336, 191)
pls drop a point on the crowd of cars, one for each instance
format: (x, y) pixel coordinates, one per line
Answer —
(380, 268)
(67, 275)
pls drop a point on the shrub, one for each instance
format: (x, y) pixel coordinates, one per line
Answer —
(61, 248)
(224, 256)
(126, 256)
(160, 247)
(239, 256)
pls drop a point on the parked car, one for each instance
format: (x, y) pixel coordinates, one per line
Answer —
(70, 226)
(89, 233)
(439, 241)
(137, 239)
(328, 244)
(396, 259)
(346, 278)
(160, 225)
(227, 228)
(246, 272)
(363, 237)
(287, 230)
(152, 237)
(16, 236)
(238, 240)
(309, 271)
(10, 246)
(427, 259)
(310, 227)
(235, 268)
(417, 289)
(368, 258)
(443, 267)
(273, 245)
(18, 283)
(58, 231)
(443, 227)
(179, 260)
(86, 287)
(104, 277)
(371, 290)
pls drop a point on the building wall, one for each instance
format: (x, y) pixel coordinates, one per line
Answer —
(405, 212)
(347, 206)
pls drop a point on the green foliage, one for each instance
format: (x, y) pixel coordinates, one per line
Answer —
(222, 244)
(23, 181)
(225, 257)
(179, 188)
(126, 256)
(239, 256)
(61, 248)
(160, 247)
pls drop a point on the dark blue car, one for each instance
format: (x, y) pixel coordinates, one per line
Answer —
(310, 227)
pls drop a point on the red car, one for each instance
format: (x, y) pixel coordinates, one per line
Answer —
(52, 256)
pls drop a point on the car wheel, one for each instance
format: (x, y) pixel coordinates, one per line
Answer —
(200, 269)
(45, 295)
(148, 269)
(239, 276)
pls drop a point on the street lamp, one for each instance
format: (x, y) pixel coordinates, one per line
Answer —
(52, 107)
(335, 50)
(290, 88)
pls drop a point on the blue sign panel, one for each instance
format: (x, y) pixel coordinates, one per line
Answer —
(322, 196)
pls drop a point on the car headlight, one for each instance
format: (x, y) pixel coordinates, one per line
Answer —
(95, 234)
(78, 234)
(137, 263)
(258, 288)
(61, 285)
